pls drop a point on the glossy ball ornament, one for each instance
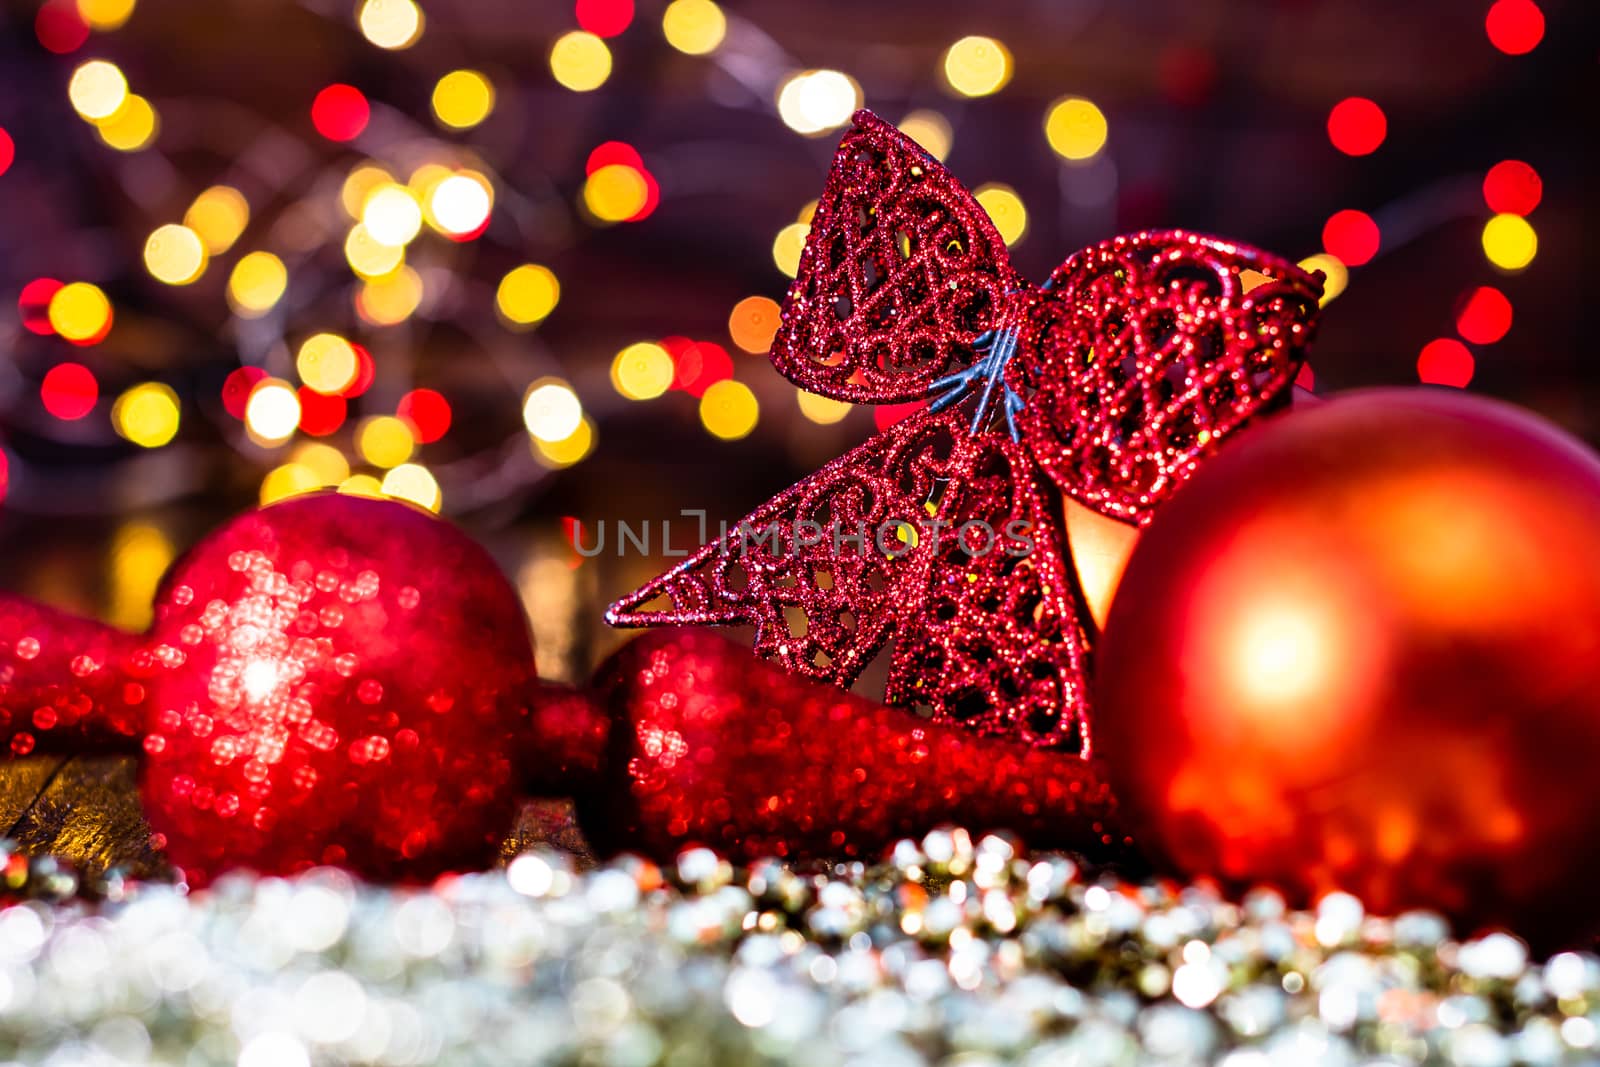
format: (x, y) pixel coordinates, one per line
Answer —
(334, 680)
(1361, 650)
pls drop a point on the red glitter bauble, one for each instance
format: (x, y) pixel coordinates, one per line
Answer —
(711, 745)
(334, 680)
(1361, 650)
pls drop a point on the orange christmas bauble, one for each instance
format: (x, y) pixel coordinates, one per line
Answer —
(1361, 650)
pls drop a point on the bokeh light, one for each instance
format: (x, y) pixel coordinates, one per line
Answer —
(390, 300)
(1357, 126)
(361, 183)
(385, 441)
(931, 130)
(728, 410)
(1514, 26)
(272, 412)
(287, 480)
(392, 215)
(604, 18)
(256, 284)
(59, 27)
(412, 482)
(427, 412)
(33, 305)
(570, 449)
(551, 410)
(580, 61)
(8, 150)
(1005, 209)
(391, 24)
(822, 410)
(368, 257)
(697, 365)
(1483, 315)
(1075, 128)
(69, 391)
(615, 192)
(459, 205)
(147, 414)
(105, 15)
(816, 101)
(1335, 275)
(695, 27)
(788, 245)
(1351, 236)
(340, 112)
(320, 414)
(462, 99)
(81, 313)
(326, 363)
(1510, 242)
(361, 485)
(753, 323)
(324, 461)
(642, 371)
(237, 387)
(218, 216)
(133, 127)
(175, 255)
(97, 89)
(527, 295)
(366, 371)
(1512, 187)
(977, 66)
(1445, 361)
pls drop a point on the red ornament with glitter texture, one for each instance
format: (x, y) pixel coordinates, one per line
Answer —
(1111, 383)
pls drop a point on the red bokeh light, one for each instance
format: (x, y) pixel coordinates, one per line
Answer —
(237, 387)
(613, 153)
(69, 391)
(886, 415)
(320, 415)
(340, 112)
(427, 411)
(1445, 361)
(33, 303)
(604, 18)
(1512, 187)
(1515, 26)
(8, 150)
(699, 365)
(60, 28)
(1483, 315)
(652, 197)
(1357, 126)
(365, 371)
(1351, 236)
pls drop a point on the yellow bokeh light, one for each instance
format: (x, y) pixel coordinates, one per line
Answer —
(1510, 242)
(1336, 274)
(385, 441)
(822, 410)
(413, 482)
(133, 126)
(551, 410)
(527, 294)
(1005, 208)
(272, 412)
(391, 24)
(570, 449)
(291, 479)
(219, 216)
(360, 184)
(728, 409)
(147, 414)
(694, 26)
(79, 311)
(580, 61)
(390, 300)
(368, 257)
(815, 101)
(642, 371)
(462, 99)
(97, 90)
(141, 552)
(1075, 128)
(615, 192)
(257, 284)
(327, 363)
(977, 66)
(174, 254)
(753, 322)
(788, 245)
(425, 179)
(807, 212)
(361, 485)
(325, 461)
(392, 215)
(460, 204)
(105, 15)
(931, 130)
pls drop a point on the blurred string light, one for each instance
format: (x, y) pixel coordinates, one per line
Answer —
(368, 257)
(642, 371)
(340, 112)
(462, 99)
(1510, 242)
(327, 363)
(391, 299)
(1512, 187)
(427, 413)
(1352, 237)
(816, 101)
(132, 127)
(1446, 361)
(359, 184)
(385, 441)
(80, 313)
(604, 18)
(790, 242)
(289, 479)
(1075, 128)
(147, 414)
(175, 255)
(1357, 126)
(105, 15)
(695, 27)
(325, 462)
(615, 192)
(69, 391)
(218, 217)
(527, 294)
(390, 24)
(97, 90)
(361, 485)
(753, 323)
(320, 414)
(697, 365)
(8, 150)
(822, 410)
(551, 410)
(412, 482)
(458, 206)
(59, 27)
(1515, 27)
(570, 449)
(728, 410)
(256, 284)
(272, 412)
(392, 215)
(977, 66)
(580, 61)
(140, 555)
(1005, 209)
(1335, 274)
(33, 305)
(1483, 315)
(236, 389)
(931, 130)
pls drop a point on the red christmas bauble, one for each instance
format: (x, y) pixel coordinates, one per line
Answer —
(1361, 650)
(334, 680)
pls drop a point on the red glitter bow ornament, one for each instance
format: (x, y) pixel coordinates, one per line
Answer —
(1115, 379)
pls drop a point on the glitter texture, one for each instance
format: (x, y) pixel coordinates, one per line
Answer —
(64, 686)
(1115, 379)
